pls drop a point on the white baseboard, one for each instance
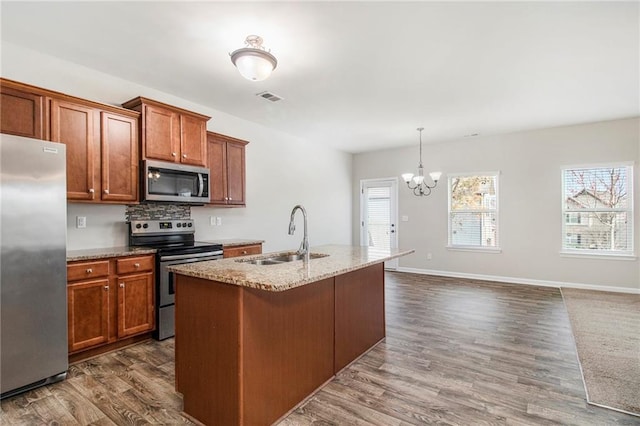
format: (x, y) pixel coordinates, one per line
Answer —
(513, 280)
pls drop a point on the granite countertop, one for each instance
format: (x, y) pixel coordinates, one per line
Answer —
(103, 253)
(233, 242)
(285, 276)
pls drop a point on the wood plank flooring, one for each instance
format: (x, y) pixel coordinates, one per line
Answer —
(457, 352)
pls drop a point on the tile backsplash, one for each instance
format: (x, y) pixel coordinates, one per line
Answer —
(157, 211)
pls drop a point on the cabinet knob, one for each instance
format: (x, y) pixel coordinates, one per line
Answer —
(91, 190)
(244, 252)
(173, 154)
(121, 285)
(106, 287)
(106, 191)
(89, 271)
(230, 199)
(136, 265)
(184, 155)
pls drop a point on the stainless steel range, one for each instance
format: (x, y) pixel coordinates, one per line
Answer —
(175, 242)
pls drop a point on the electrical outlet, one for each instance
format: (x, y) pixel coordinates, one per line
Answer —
(212, 220)
(81, 222)
(429, 256)
(219, 221)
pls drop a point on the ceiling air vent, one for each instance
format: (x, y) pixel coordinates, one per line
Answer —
(269, 96)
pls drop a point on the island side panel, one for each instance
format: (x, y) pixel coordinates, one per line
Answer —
(359, 305)
(287, 342)
(207, 349)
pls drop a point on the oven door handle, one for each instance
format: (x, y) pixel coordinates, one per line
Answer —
(200, 185)
(191, 256)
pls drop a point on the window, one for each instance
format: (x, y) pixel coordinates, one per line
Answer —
(473, 211)
(597, 210)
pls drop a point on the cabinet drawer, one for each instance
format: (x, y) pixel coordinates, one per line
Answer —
(87, 270)
(134, 264)
(242, 250)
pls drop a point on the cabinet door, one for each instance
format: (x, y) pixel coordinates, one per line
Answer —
(135, 304)
(193, 141)
(88, 313)
(73, 125)
(235, 174)
(22, 113)
(161, 133)
(119, 143)
(218, 170)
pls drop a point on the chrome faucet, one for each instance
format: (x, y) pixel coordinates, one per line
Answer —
(304, 246)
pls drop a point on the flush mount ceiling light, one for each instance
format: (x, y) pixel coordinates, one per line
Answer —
(254, 62)
(417, 183)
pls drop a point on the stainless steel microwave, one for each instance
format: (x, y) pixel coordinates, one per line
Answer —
(163, 181)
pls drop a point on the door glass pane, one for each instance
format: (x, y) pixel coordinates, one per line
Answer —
(379, 217)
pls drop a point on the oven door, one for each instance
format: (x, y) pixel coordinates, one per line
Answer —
(166, 283)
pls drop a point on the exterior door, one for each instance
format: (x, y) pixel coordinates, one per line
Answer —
(378, 216)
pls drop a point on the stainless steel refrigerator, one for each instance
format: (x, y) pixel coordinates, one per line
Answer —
(33, 273)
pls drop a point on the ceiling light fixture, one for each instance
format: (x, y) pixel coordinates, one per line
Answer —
(254, 62)
(420, 187)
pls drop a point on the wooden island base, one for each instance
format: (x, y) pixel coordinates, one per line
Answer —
(246, 356)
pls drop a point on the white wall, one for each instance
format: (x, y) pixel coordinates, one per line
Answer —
(530, 202)
(282, 171)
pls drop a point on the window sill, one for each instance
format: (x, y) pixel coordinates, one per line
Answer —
(605, 256)
(493, 250)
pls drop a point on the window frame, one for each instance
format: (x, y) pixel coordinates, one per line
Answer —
(478, 248)
(629, 210)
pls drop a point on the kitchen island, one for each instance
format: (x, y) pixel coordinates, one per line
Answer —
(253, 341)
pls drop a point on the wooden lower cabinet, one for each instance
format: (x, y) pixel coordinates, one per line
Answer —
(246, 356)
(109, 300)
(88, 312)
(245, 250)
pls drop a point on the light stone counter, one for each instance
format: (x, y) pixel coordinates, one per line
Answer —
(103, 253)
(285, 276)
(234, 242)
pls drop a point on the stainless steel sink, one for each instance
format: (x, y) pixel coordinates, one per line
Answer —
(277, 259)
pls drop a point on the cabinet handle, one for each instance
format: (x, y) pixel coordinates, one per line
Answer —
(106, 287)
(173, 154)
(184, 155)
(91, 190)
(89, 271)
(136, 265)
(121, 285)
(230, 199)
(106, 191)
(244, 252)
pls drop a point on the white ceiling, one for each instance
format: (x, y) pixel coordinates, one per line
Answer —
(362, 76)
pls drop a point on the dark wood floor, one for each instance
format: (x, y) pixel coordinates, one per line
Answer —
(457, 352)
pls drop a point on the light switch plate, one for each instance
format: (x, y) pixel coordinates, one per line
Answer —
(405, 218)
(212, 220)
(219, 221)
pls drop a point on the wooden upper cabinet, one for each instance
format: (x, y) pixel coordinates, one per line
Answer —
(22, 111)
(170, 133)
(160, 133)
(226, 161)
(73, 125)
(101, 140)
(193, 140)
(119, 145)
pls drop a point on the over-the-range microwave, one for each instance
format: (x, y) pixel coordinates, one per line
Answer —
(164, 181)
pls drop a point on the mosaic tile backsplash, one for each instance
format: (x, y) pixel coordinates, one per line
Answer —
(158, 211)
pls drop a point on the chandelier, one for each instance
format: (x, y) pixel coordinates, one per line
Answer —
(254, 62)
(417, 183)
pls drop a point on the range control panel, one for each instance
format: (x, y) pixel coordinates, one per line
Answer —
(173, 226)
